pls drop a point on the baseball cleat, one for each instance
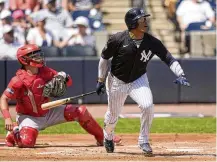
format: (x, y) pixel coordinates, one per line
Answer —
(116, 139)
(146, 148)
(109, 145)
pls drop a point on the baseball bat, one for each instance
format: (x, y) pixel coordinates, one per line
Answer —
(56, 103)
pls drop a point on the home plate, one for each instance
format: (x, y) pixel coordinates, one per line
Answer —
(2, 143)
(185, 150)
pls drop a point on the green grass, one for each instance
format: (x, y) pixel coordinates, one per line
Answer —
(160, 125)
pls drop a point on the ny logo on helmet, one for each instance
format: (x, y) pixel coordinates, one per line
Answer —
(145, 57)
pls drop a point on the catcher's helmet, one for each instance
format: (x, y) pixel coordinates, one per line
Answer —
(30, 54)
(133, 15)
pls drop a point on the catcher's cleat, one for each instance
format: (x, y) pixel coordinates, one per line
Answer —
(146, 148)
(109, 145)
(9, 140)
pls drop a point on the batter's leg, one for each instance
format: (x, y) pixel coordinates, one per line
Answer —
(80, 114)
(142, 95)
(117, 94)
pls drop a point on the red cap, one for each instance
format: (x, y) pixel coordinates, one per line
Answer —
(18, 14)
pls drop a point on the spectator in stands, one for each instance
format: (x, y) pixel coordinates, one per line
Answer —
(193, 15)
(2, 5)
(58, 21)
(194, 11)
(41, 36)
(83, 37)
(59, 4)
(171, 10)
(19, 25)
(27, 5)
(84, 4)
(8, 45)
(6, 17)
(138, 3)
(89, 9)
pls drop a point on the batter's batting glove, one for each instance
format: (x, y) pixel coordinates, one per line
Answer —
(100, 88)
(182, 81)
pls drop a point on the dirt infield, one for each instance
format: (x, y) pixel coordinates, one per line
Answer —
(166, 147)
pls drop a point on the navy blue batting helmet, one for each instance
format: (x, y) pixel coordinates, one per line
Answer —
(133, 15)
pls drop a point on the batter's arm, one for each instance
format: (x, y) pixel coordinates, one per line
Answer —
(108, 52)
(167, 58)
(102, 69)
(176, 68)
(173, 64)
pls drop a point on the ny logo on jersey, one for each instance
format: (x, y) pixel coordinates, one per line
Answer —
(145, 57)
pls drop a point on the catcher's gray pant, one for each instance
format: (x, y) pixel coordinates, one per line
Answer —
(53, 117)
(117, 92)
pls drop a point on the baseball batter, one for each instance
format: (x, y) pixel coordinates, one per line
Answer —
(131, 50)
(32, 86)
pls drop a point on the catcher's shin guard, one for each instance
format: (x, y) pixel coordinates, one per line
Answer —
(85, 119)
(26, 137)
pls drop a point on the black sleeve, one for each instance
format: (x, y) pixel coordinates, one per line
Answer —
(110, 48)
(73, 2)
(96, 2)
(163, 53)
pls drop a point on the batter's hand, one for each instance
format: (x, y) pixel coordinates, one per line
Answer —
(100, 88)
(9, 124)
(182, 80)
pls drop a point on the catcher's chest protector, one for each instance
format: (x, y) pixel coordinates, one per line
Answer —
(34, 88)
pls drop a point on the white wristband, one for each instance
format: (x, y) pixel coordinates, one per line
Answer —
(176, 69)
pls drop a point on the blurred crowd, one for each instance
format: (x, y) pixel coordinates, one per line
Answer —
(190, 15)
(48, 23)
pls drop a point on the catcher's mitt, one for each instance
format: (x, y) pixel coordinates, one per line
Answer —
(56, 87)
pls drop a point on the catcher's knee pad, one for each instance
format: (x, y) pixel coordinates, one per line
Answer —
(26, 137)
(71, 113)
(85, 119)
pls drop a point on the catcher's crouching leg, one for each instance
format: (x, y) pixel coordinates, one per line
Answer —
(26, 137)
(85, 119)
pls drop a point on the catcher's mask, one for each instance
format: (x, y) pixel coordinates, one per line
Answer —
(31, 55)
(132, 17)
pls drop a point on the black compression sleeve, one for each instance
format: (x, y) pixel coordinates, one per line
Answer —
(169, 59)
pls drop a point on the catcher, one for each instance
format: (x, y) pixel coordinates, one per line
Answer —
(32, 86)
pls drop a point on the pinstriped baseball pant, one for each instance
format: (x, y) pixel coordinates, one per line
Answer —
(117, 92)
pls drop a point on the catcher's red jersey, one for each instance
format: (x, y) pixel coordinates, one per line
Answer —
(27, 90)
